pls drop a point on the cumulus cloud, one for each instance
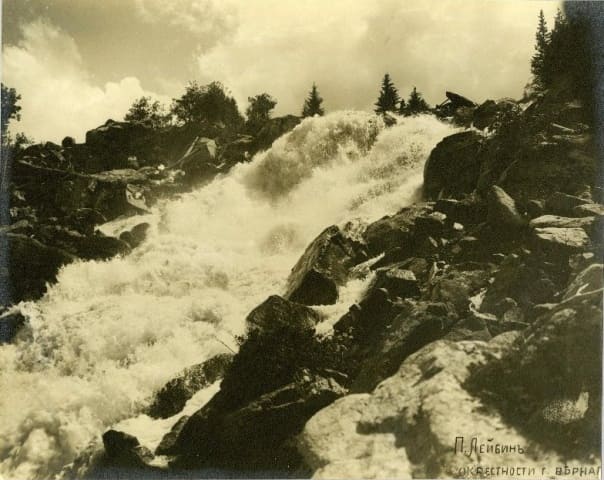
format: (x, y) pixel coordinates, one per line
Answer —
(479, 48)
(86, 61)
(59, 97)
(200, 17)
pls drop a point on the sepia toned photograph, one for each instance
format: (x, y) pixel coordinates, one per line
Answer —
(322, 239)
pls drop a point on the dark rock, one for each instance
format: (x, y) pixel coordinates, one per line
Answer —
(115, 142)
(523, 283)
(10, 324)
(216, 439)
(453, 166)
(173, 396)
(492, 115)
(589, 280)
(468, 211)
(398, 282)
(535, 208)
(502, 212)
(394, 231)
(31, 265)
(418, 324)
(456, 284)
(528, 168)
(276, 312)
(323, 267)
(169, 440)
(136, 235)
(556, 360)
(55, 192)
(90, 247)
(124, 450)
(68, 142)
(85, 219)
(458, 100)
(370, 317)
(200, 162)
(563, 204)
(433, 224)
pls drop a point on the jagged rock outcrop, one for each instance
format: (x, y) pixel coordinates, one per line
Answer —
(324, 267)
(277, 312)
(405, 428)
(173, 396)
(31, 265)
(453, 167)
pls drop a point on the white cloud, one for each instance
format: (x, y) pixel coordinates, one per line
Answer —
(480, 48)
(199, 17)
(59, 97)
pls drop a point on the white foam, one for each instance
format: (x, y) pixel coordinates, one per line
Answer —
(109, 334)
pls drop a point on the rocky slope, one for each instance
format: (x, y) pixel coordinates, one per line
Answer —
(481, 324)
(60, 194)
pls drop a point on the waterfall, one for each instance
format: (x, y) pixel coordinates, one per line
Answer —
(108, 334)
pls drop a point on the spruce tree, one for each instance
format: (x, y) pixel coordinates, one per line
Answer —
(402, 107)
(389, 97)
(538, 62)
(312, 105)
(416, 103)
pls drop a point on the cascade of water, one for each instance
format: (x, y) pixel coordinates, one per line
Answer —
(108, 334)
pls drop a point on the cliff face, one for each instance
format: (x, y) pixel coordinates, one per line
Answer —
(481, 324)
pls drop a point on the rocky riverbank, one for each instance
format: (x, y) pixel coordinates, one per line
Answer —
(60, 194)
(481, 322)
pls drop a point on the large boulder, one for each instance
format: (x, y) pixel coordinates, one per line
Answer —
(60, 193)
(456, 284)
(453, 167)
(10, 324)
(323, 267)
(418, 324)
(212, 440)
(537, 170)
(489, 114)
(502, 212)
(173, 396)
(277, 312)
(563, 204)
(90, 247)
(555, 369)
(117, 142)
(30, 266)
(124, 450)
(557, 221)
(561, 242)
(200, 161)
(413, 423)
(136, 235)
(394, 231)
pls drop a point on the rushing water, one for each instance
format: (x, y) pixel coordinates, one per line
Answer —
(109, 334)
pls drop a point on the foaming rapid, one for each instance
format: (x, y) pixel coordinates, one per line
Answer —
(109, 334)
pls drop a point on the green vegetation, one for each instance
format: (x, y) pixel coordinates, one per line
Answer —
(312, 105)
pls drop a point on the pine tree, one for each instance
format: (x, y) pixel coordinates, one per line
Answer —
(416, 103)
(389, 97)
(312, 105)
(402, 107)
(538, 62)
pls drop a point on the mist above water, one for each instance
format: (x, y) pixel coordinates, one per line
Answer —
(109, 334)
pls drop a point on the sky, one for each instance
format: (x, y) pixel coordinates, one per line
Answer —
(77, 63)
